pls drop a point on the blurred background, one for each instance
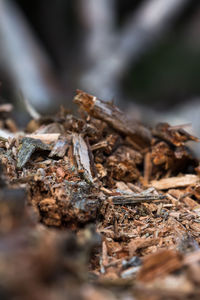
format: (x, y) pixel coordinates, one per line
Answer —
(143, 54)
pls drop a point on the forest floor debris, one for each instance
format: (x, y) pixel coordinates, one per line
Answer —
(98, 206)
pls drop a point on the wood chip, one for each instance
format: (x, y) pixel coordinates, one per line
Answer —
(174, 182)
(80, 151)
(45, 137)
(113, 116)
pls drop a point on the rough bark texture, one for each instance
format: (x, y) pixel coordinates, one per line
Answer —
(92, 207)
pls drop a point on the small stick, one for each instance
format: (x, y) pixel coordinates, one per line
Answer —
(133, 198)
(113, 116)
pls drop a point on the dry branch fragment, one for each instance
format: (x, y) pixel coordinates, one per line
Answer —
(132, 198)
(175, 160)
(60, 147)
(113, 116)
(176, 136)
(108, 144)
(80, 151)
(174, 182)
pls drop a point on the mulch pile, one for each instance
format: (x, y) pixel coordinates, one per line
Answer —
(98, 207)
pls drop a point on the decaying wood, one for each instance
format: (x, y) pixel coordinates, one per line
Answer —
(159, 264)
(175, 135)
(122, 164)
(124, 200)
(113, 116)
(60, 147)
(80, 151)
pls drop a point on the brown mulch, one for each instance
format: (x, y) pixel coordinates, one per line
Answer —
(98, 207)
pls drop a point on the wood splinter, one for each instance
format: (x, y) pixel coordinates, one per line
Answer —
(132, 198)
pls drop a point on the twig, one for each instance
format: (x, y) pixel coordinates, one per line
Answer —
(133, 198)
(113, 116)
